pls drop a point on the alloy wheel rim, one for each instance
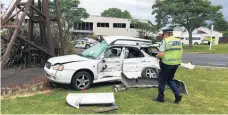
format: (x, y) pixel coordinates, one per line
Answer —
(82, 81)
(150, 73)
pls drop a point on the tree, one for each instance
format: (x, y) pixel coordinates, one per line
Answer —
(190, 14)
(70, 13)
(160, 16)
(115, 12)
(144, 29)
(220, 24)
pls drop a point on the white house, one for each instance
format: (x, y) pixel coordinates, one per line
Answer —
(106, 26)
(202, 32)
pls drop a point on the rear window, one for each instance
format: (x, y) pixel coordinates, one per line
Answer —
(196, 38)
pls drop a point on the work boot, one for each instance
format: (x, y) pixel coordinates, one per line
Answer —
(158, 100)
(177, 99)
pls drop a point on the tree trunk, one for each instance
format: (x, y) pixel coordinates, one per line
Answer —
(190, 38)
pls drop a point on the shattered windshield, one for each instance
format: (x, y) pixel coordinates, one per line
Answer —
(95, 51)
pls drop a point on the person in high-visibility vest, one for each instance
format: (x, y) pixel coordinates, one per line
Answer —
(171, 57)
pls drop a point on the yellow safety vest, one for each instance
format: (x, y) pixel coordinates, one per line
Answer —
(173, 51)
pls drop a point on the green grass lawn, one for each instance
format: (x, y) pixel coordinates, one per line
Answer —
(207, 94)
(218, 49)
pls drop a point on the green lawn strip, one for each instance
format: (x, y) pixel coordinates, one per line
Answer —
(216, 49)
(207, 94)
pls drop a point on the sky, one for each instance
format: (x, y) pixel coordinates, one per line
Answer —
(139, 9)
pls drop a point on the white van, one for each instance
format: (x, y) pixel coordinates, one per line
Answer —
(196, 40)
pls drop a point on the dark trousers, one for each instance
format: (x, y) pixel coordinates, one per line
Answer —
(166, 75)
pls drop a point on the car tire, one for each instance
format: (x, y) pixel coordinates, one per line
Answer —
(196, 43)
(150, 72)
(83, 79)
(87, 46)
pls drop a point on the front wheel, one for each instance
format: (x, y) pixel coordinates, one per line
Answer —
(81, 80)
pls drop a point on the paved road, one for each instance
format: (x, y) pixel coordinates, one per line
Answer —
(217, 60)
(13, 76)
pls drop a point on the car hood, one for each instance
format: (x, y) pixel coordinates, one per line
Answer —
(67, 59)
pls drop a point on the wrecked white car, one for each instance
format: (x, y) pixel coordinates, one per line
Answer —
(104, 62)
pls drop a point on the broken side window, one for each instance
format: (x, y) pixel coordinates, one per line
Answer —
(113, 52)
(132, 52)
(152, 51)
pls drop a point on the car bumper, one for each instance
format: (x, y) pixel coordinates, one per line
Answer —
(63, 77)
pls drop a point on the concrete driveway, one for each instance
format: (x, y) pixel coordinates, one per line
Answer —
(215, 60)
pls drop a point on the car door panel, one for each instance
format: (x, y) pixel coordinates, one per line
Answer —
(133, 67)
(110, 67)
(113, 64)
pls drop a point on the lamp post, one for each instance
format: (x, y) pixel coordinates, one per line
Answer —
(212, 26)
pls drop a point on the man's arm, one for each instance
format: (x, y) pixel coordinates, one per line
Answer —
(160, 54)
(161, 49)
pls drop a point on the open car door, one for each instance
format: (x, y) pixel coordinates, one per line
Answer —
(110, 65)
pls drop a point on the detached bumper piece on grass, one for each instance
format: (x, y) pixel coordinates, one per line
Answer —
(86, 100)
(141, 82)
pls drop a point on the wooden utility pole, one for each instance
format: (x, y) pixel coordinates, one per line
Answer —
(59, 26)
(48, 28)
(41, 17)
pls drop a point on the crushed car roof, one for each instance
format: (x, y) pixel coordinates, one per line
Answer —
(111, 40)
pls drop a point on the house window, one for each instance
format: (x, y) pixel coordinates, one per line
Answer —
(119, 25)
(115, 25)
(83, 26)
(132, 26)
(102, 24)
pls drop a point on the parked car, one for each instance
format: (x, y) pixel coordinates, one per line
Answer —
(104, 62)
(85, 43)
(195, 40)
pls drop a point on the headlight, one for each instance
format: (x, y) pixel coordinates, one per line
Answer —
(58, 67)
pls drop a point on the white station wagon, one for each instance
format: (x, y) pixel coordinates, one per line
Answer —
(104, 62)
